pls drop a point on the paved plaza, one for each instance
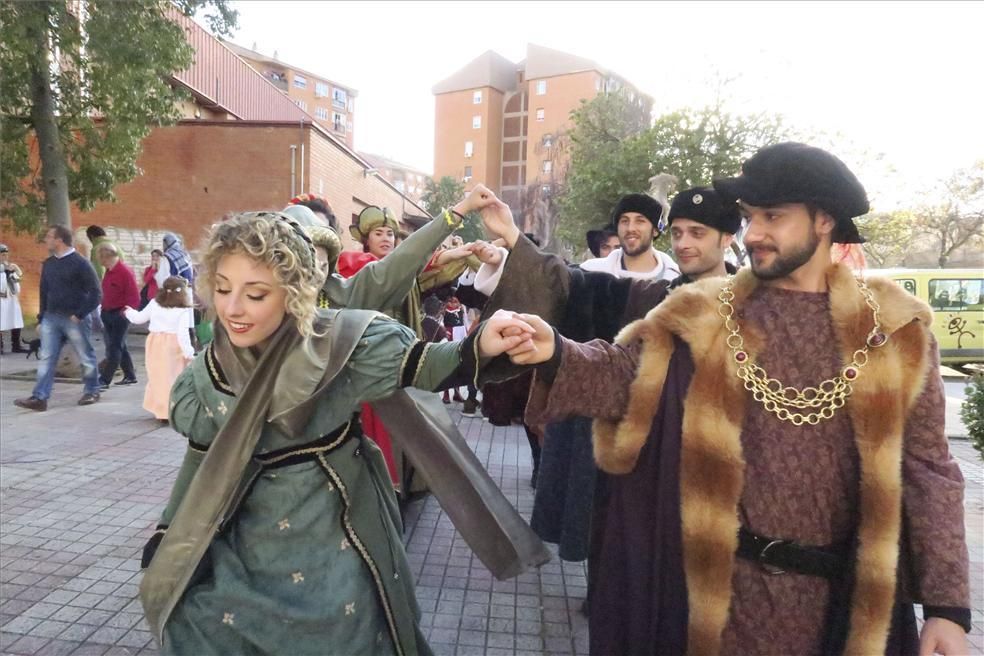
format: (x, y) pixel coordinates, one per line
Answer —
(82, 487)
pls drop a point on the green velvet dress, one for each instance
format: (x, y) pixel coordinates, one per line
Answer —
(312, 562)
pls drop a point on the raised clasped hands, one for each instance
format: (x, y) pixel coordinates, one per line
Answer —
(486, 252)
(478, 198)
(525, 338)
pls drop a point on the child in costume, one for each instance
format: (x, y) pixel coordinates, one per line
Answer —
(169, 347)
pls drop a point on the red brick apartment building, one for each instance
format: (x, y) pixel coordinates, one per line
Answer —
(502, 123)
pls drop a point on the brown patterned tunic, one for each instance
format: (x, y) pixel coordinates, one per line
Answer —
(801, 482)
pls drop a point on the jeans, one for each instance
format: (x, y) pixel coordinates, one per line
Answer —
(56, 329)
(115, 326)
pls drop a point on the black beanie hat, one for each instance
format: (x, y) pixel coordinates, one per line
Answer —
(644, 204)
(704, 205)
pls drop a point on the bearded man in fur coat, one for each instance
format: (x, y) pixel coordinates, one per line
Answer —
(780, 482)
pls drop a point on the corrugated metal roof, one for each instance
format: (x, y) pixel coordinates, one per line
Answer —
(218, 76)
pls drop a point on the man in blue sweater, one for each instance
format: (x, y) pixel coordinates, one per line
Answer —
(69, 292)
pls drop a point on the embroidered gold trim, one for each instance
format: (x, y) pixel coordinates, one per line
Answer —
(217, 379)
(478, 337)
(363, 552)
(313, 449)
(420, 364)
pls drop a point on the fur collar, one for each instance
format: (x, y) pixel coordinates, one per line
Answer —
(711, 460)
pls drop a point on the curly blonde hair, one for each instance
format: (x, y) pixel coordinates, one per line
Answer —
(278, 242)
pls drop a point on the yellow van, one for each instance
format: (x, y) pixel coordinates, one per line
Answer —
(957, 299)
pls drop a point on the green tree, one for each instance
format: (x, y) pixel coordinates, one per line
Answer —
(888, 236)
(446, 192)
(959, 220)
(694, 145)
(88, 79)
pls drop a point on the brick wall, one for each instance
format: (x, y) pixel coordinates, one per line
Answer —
(195, 172)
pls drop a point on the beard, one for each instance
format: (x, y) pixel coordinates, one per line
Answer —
(645, 243)
(787, 262)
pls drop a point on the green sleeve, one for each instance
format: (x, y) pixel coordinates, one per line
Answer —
(384, 284)
(438, 361)
(390, 356)
(192, 459)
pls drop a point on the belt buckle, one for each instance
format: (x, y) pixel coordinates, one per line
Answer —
(770, 569)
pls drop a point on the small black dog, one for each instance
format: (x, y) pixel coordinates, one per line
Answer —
(34, 347)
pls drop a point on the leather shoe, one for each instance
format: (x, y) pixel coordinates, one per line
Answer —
(32, 403)
(89, 399)
(127, 381)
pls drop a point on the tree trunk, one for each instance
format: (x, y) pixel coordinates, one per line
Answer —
(54, 171)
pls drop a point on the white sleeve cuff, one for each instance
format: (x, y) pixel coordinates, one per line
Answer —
(487, 278)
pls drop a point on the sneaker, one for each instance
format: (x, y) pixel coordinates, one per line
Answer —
(470, 409)
(103, 386)
(127, 381)
(89, 399)
(32, 403)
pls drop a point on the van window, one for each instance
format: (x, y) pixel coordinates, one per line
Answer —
(955, 295)
(908, 284)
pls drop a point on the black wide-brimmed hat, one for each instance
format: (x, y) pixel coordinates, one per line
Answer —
(797, 173)
(704, 205)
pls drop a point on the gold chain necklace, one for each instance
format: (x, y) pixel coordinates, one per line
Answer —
(816, 403)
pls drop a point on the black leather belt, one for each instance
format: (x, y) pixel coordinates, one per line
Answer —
(782, 556)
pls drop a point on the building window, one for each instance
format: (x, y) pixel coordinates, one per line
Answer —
(339, 98)
(539, 114)
(547, 166)
(541, 87)
(321, 112)
(320, 90)
(300, 81)
(547, 140)
(477, 98)
(351, 106)
(468, 174)
(338, 122)
(476, 122)
(399, 186)
(301, 104)
(469, 148)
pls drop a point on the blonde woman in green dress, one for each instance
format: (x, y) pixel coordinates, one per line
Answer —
(282, 531)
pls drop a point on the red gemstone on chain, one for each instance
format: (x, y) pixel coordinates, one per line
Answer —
(850, 373)
(877, 340)
(741, 356)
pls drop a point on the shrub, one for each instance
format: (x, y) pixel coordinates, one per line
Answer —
(972, 412)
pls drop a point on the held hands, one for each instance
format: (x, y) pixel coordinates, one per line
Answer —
(456, 253)
(525, 338)
(487, 253)
(498, 221)
(941, 636)
(476, 200)
(540, 346)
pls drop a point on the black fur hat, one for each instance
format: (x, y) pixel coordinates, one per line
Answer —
(644, 204)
